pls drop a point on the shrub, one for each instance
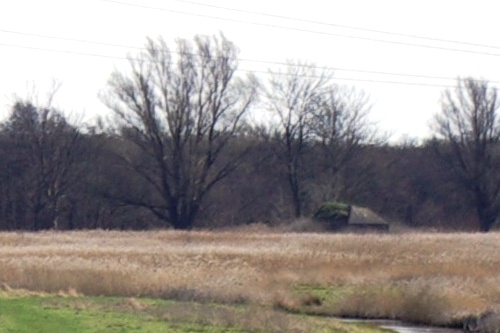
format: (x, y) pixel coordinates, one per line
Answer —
(335, 214)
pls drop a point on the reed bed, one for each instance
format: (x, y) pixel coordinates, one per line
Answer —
(437, 278)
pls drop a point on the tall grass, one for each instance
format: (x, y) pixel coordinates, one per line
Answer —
(425, 277)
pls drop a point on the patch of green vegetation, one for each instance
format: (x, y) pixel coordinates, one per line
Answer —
(322, 299)
(372, 301)
(88, 315)
(27, 315)
(333, 213)
(49, 314)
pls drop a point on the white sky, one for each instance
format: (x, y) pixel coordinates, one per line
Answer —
(402, 109)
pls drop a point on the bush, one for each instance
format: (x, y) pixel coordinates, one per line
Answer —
(336, 214)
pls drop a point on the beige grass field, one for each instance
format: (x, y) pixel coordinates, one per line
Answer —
(427, 277)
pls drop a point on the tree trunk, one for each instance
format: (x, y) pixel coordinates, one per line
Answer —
(295, 191)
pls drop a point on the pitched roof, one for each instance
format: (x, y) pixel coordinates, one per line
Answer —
(361, 215)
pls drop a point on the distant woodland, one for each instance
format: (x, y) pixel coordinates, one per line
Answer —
(195, 144)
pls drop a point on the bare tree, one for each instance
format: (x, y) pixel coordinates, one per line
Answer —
(181, 109)
(46, 152)
(470, 127)
(293, 96)
(340, 126)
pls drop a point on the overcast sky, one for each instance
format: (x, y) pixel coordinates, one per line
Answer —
(80, 42)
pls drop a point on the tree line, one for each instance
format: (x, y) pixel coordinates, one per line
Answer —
(186, 150)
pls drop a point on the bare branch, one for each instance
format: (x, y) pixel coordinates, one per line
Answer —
(469, 127)
(185, 110)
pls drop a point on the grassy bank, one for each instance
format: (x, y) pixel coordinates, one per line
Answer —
(429, 278)
(28, 313)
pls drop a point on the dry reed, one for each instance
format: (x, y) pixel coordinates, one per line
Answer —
(427, 277)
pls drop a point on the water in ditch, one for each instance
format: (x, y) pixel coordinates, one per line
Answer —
(402, 327)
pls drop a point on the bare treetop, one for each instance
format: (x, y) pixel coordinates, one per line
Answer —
(183, 109)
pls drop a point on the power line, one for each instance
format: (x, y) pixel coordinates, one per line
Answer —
(339, 25)
(69, 39)
(240, 70)
(349, 69)
(352, 79)
(63, 51)
(241, 59)
(304, 30)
